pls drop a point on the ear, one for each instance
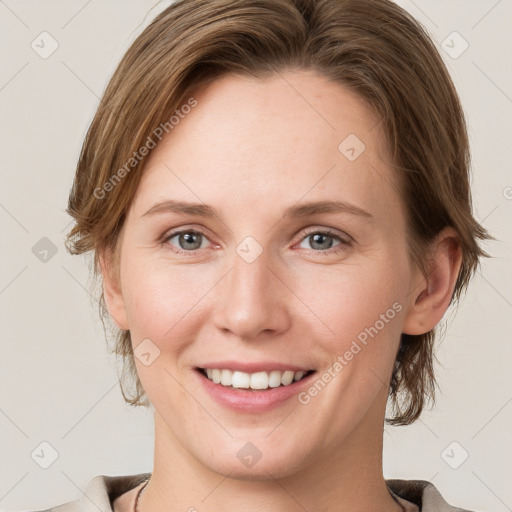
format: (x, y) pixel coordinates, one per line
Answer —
(432, 296)
(112, 291)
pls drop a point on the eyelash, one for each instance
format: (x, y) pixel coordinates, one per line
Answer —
(344, 243)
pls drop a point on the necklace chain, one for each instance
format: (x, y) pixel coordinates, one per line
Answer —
(401, 506)
(143, 488)
(139, 494)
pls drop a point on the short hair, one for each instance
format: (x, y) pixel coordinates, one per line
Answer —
(371, 47)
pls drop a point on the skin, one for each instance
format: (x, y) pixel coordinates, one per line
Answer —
(250, 149)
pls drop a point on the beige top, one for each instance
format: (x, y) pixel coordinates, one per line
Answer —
(126, 502)
(118, 494)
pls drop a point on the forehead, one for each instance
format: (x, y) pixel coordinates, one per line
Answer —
(296, 105)
(284, 136)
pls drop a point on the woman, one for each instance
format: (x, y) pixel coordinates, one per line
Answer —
(277, 198)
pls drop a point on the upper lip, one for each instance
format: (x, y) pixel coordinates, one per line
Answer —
(253, 367)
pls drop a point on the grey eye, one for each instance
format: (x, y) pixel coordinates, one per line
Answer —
(321, 241)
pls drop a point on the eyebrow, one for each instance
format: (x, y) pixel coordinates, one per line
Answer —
(294, 211)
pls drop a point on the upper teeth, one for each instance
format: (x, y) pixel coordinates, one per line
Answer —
(259, 380)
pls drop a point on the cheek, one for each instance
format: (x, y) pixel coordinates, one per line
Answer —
(356, 303)
(166, 302)
(156, 296)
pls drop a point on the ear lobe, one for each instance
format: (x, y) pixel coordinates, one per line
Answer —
(112, 291)
(434, 293)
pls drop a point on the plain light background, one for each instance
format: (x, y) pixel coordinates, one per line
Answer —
(58, 385)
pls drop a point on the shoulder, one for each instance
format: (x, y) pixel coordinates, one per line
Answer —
(100, 493)
(422, 493)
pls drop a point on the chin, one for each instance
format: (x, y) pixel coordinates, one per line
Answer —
(260, 472)
(245, 461)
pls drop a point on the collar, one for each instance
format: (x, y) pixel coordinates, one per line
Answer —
(101, 491)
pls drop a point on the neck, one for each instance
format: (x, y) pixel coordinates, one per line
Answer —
(344, 477)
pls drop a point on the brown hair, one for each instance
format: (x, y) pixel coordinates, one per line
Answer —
(372, 47)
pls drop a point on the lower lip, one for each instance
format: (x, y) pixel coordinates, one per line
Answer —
(244, 400)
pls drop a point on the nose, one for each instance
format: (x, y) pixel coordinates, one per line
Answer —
(253, 301)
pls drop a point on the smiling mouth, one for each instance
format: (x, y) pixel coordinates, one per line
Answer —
(258, 381)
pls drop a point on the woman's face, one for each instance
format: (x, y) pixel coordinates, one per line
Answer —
(253, 288)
